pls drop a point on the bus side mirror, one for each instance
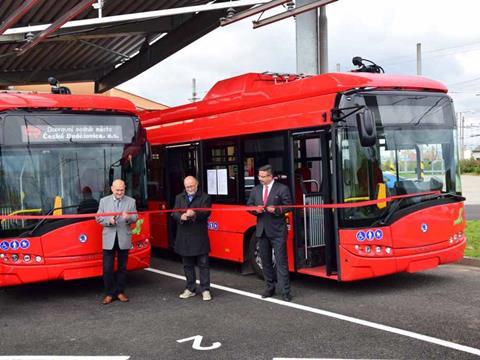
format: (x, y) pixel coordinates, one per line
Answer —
(366, 128)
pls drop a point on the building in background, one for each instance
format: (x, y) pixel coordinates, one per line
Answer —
(87, 88)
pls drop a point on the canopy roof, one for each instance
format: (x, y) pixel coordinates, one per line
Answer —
(109, 52)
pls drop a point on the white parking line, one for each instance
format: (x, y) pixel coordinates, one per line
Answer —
(62, 357)
(350, 319)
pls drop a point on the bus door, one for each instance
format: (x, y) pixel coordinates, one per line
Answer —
(181, 161)
(313, 228)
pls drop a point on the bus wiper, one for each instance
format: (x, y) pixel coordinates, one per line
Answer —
(395, 206)
(392, 209)
(42, 221)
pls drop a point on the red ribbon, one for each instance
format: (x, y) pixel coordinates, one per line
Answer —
(233, 208)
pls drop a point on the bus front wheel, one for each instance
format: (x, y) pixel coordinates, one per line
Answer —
(255, 259)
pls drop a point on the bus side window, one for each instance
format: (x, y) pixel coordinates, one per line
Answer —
(222, 155)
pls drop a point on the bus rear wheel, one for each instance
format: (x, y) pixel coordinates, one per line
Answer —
(255, 259)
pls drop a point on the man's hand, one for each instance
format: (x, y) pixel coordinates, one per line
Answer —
(271, 209)
(184, 217)
(112, 220)
(190, 213)
(260, 209)
(125, 215)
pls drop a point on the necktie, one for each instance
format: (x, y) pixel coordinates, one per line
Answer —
(117, 204)
(190, 197)
(265, 195)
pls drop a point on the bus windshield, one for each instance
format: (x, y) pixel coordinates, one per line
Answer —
(416, 151)
(69, 164)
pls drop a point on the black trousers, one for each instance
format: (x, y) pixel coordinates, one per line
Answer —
(279, 246)
(115, 283)
(201, 261)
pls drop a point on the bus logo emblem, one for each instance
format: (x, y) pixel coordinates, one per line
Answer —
(4, 245)
(83, 238)
(424, 227)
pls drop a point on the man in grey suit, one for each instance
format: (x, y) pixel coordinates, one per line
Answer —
(272, 200)
(116, 238)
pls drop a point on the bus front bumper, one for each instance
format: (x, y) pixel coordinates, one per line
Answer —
(355, 267)
(66, 268)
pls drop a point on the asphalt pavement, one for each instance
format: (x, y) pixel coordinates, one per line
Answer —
(439, 309)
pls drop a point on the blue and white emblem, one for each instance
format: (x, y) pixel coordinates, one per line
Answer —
(4, 245)
(212, 225)
(24, 244)
(378, 234)
(14, 245)
(424, 227)
(370, 235)
(83, 238)
(361, 236)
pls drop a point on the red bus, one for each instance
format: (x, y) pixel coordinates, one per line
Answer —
(339, 138)
(59, 155)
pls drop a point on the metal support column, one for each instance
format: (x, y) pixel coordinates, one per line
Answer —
(311, 40)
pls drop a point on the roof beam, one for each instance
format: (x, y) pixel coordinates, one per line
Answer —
(158, 25)
(17, 15)
(292, 12)
(140, 16)
(252, 11)
(191, 30)
(62, 20)
(66, 75)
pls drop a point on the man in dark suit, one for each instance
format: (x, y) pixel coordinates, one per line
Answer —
(270, 196)
(116, 239)
(192, 241)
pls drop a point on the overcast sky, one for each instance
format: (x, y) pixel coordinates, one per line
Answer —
(385, 31)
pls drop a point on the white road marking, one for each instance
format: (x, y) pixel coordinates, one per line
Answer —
(62, 357)
(197, 343)
(391, 329)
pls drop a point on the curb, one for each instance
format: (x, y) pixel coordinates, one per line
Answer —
(470, 261)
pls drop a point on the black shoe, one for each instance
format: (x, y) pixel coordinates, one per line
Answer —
(287, 297)
(268, 293)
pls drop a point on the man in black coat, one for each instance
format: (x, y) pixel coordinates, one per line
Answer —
(192, 241)
(270, 196)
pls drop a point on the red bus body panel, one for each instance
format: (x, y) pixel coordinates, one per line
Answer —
(158, 225)
(253, 90)
(10, 100)
(412, 249)
(65, 257)
(226, 230)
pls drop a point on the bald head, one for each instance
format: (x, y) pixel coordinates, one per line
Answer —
(118, 188)
(191, 185)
